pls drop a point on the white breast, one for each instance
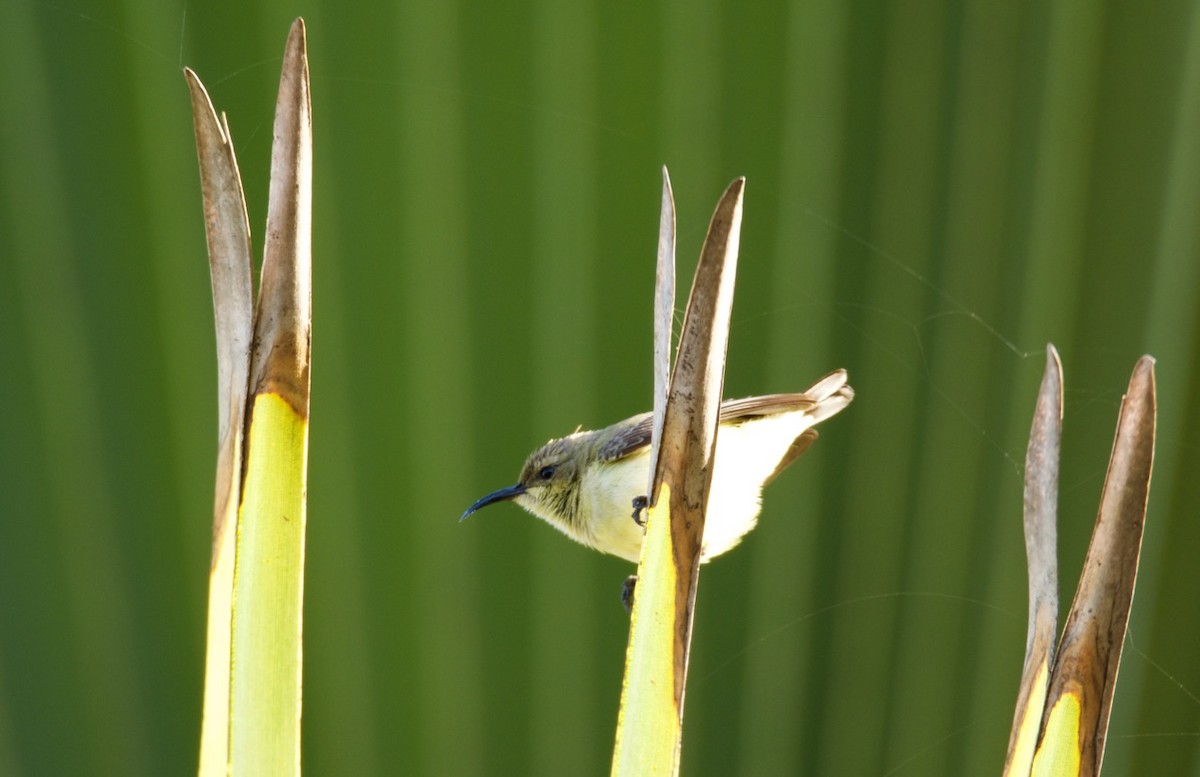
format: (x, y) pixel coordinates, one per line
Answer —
(747, 454)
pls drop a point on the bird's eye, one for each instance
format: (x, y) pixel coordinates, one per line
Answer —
(545, 473)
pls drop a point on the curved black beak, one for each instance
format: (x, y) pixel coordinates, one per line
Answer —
(503, 495)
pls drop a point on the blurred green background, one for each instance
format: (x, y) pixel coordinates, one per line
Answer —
(935, 190)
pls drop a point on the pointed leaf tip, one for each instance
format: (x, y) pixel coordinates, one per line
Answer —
(1041, 541)
(280, 363)
(1090, 652)
(664, 319)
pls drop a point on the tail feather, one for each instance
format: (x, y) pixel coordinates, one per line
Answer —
(802, 443)
(831, 395)
(824, 399)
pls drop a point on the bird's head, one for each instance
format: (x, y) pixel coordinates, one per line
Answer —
(549, 483)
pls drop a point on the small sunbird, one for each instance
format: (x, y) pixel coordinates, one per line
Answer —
(586, 484)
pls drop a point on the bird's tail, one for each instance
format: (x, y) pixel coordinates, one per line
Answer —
(831, 395)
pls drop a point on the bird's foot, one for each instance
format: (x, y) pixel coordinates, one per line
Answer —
(640, 503)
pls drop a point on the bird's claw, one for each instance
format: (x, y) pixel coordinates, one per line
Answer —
(640, 503)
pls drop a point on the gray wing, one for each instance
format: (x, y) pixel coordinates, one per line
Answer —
(769, 404)
(637, 430)
(825, 397)
(633, 437)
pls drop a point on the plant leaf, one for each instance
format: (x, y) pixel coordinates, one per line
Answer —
(269, 572)
(227, 229)
(253, 657)
(1041, 516)
(1085, 671)
(282, 322)
(649, 725)
(664, 320)
(228, 234)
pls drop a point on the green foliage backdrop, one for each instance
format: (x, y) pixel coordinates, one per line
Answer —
(935, 190)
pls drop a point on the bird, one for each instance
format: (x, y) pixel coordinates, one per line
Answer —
(585, 484)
